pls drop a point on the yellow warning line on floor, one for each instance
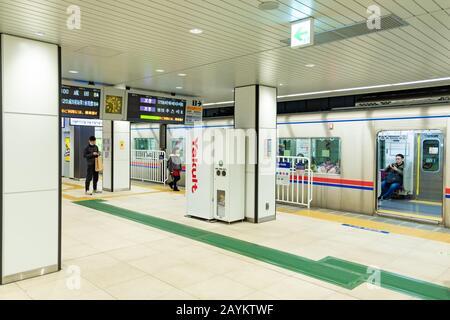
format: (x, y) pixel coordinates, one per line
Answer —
(73, 185)
(74, 198)
(124, 195)
(161, 188)
(410, 215)
(424, 234)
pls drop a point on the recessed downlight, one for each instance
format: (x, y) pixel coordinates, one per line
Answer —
(310, 65)
(196, 31)
(160, 70)
(182, 74)
(179, 88)
(73, 71)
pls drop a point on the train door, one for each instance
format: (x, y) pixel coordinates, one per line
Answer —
(417, 193)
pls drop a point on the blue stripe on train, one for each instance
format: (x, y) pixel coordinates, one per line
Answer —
(364, 119)
(338, 186)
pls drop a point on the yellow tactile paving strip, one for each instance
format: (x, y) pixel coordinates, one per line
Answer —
(424, 234)
(72, 187)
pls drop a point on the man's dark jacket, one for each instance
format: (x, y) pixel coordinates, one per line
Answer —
(89, 154)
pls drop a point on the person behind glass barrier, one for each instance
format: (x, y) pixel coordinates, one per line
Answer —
(174, 167)
(394, 178)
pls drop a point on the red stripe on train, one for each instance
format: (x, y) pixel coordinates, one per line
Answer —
(339, 181)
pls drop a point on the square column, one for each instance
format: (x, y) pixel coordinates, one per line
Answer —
(255, 111)
(30, 150)
(116, 156)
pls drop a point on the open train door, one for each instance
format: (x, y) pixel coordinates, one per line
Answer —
(419, 195)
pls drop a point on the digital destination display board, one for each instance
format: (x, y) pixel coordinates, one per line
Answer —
(80, 102)
(146, 108)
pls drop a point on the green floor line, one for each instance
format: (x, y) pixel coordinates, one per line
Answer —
(342, 278)
(339, 272)
(396, 282)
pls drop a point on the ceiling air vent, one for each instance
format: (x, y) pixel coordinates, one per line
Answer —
(359, 29)
(99, 52)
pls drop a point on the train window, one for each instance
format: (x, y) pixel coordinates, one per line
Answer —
(326, 155)
(144, 144)
(431, 156)
(294, 147)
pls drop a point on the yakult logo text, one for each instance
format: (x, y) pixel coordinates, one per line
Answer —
(194, 165)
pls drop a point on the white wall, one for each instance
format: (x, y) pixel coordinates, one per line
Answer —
(30, 163)
(121, 155)
(116, 176)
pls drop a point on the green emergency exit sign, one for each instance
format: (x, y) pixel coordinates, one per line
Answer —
(302, 33)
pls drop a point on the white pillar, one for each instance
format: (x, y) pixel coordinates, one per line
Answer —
(116, 156)
(256, 111)
(30, 151)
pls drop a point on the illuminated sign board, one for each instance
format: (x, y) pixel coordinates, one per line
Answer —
(194, 113)
(80, 102)
(86, 122)
(146, 108)
(302, 33)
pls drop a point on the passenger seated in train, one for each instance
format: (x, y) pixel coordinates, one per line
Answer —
(281, 149)
(302, 164)
(394, 178)
(328, 167)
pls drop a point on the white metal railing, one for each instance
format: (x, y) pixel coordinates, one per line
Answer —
(149, 165)
(294, 181)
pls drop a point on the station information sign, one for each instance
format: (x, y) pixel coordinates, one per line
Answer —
(86, 122)
(146, 108)
(80, 102)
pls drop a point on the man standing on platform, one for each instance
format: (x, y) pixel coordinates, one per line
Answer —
(91, 153)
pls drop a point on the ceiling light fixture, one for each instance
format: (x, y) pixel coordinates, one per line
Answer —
(310, 65)
(182, 74)
(73, 71)
(179, 88)
(196, 31)
(268, 5)
(347, 89)
(40, 34)
(160, 70)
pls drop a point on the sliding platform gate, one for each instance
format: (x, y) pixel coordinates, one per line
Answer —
(149, 165)
(294, 181)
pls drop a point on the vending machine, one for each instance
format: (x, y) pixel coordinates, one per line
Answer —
(229, 175)
(215, 172)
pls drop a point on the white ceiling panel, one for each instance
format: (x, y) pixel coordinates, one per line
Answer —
(125, 42)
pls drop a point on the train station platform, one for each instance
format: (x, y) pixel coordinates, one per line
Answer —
(140, 245)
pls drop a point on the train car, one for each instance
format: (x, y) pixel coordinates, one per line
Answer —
(349, 151)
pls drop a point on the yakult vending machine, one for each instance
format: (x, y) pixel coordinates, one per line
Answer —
(215, 172)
